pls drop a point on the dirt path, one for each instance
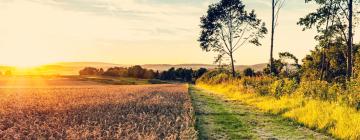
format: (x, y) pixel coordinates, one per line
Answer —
(218, 118)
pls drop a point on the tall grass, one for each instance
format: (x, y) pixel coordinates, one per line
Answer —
(315, 104)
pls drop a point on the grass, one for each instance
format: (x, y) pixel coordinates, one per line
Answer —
(217, 117)
(341, 121)
(96, 112)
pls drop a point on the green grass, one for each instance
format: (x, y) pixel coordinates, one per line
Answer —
(214, 120)
(220, 118)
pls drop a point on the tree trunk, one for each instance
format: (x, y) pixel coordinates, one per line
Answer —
(233, 72)
(323, 59)
(350, 43)
(323, 62)
(272, 37)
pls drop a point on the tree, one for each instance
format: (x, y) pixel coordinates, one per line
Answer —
(249, 72)
(227, 26)
(168, 75)
(90, 71)
(149, 74)
(276, 6)
(350, 40)
(335, 69)
(136, 71)
(198, 73)
(291, 69)
(116, 71)
(340, 14)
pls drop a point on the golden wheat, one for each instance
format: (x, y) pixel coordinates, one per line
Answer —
(100, 112)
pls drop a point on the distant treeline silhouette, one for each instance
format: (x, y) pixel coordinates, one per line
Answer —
(134, 72)
(179, 74)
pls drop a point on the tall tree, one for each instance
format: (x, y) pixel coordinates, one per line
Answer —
(350, 40)
(227, 26)
(276, 6)
(340, 13)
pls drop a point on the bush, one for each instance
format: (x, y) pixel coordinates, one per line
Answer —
(261, 85)
(319, 90)
(214, 77)
(249, 72)
(283, 87)
(352, 95)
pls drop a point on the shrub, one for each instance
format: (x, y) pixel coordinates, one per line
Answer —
(352, 95)
(283, 87)
(261, 85)
(214, 77)
(249, 72)
(220, 78)
(314, 89)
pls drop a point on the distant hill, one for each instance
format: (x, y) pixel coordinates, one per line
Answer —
(72, 68)
(86, 64)
(162, 67)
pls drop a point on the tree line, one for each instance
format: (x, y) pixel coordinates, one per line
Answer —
(228, 26)
(179, 74)
(134, 72)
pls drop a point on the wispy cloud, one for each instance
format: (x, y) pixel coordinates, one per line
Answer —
(115, 30)
(159, 16)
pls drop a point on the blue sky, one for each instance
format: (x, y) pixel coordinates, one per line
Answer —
(131, 31)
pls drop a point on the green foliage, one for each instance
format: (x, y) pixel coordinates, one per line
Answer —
(283, 87)
(329, 10)
(278, 87)
(314, 89)
(227, 26)
(261, 85)
(351, 96)
(286, 66)
(198, 73)
(249, 72)
(134, 72)
(335, 63)
(214, 77)
(91, 71)
(182, 74)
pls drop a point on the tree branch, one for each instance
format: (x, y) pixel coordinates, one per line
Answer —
(224, 40)
(241, 36)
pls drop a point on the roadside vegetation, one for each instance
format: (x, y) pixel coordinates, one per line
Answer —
(319, 105)
(218, 117)
(322, 92)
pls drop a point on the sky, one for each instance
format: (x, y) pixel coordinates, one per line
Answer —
(34, 32)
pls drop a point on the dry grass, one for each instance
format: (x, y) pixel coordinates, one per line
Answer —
(101, 112)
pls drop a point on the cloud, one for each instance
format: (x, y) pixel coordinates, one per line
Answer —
(161, 19)
(114, 30)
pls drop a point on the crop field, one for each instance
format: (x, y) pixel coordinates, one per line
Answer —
(96, 111)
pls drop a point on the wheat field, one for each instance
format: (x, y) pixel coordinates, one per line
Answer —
(96, 112)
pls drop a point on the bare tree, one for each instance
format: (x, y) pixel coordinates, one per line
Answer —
(276, 6)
